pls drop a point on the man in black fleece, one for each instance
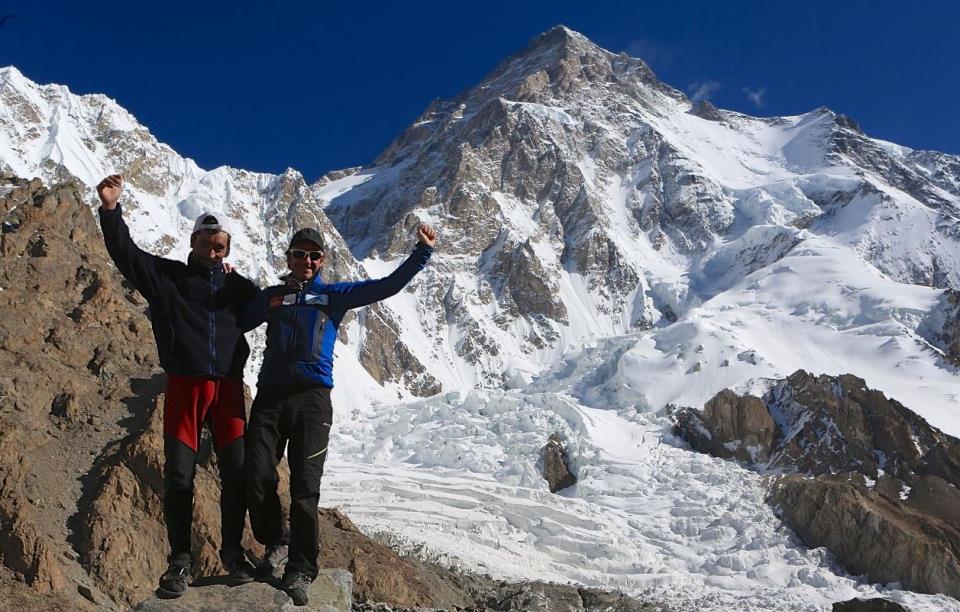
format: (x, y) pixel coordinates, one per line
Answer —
(193, 308)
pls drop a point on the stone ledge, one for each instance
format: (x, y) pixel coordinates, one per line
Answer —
(332, 591)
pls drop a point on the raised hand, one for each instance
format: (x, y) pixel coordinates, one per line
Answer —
(426, 235)
(109, 191)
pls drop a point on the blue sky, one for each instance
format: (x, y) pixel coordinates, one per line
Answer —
(318, 86)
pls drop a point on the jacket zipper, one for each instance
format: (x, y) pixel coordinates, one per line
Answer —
(296, 328)
(213, 326)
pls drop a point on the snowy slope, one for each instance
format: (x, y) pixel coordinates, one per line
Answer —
(456, 478)
(605, 252)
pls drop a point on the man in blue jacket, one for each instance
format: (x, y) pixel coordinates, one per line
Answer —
(293, 396)
(194, 309)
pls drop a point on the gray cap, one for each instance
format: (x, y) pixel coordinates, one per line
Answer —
(310, 234)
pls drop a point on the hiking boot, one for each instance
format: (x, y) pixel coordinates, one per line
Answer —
(239, 570)
(173, 582)
(273, 558)
(296, 584)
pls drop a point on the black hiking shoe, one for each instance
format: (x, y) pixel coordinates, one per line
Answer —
(296, 584)
(239, 570)
(173, 582)
(273, 558)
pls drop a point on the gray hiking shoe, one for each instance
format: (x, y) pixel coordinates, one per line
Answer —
(296, 584)
(239, 570)
(273, 558)
(173, 582)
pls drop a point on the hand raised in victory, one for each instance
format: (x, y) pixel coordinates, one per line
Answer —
(109, 191)
(426, 235)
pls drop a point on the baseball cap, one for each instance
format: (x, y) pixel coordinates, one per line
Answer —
(308, 233)
(211, 221)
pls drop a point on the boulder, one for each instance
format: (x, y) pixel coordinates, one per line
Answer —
(555, 469)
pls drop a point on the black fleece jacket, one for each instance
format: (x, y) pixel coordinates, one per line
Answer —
(193, 309)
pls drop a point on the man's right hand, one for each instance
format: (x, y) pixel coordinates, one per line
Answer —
(109, 191)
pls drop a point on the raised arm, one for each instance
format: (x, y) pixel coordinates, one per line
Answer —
(137, 266)
(355, 295)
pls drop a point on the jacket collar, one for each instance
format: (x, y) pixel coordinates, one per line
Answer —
(199, 268)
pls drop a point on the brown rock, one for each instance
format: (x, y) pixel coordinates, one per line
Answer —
(731, 427)
(379, 573)
(69, 347)
(835, 424)
(388, 359)
(23, 548)
(949, 334)
(887, 488)
(876, 604)
(886, 541)
(555, 469)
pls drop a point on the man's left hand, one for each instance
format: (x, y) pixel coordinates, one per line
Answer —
(426, 235)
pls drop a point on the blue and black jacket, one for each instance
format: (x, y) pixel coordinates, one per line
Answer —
(302, 324)
(194, 309)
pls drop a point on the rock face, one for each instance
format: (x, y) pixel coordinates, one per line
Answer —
(75, 349)
(379, 573)
(730, 426)
(943, 326)
(885, 491)
(871, 534)
(387, 358)
(833, 424)
(330, 592)
(555, 469)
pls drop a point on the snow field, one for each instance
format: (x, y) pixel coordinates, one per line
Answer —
(456, 477)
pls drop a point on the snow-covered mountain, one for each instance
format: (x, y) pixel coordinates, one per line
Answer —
(607, 248)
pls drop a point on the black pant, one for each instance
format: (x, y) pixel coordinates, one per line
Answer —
(301, 415)
(179, 468)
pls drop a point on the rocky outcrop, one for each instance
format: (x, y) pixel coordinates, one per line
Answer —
(870, 534)
(867, 478)
(544, 597)
(75, 349)
(387, 358)
(731, 427)
(943, 325)
(836, 424)
(706, 110)
(330, 592)
(379, 573)
(23, 546)
(555, 469)
(876, 604)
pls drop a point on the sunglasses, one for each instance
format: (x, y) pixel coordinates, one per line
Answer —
(301, 254)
